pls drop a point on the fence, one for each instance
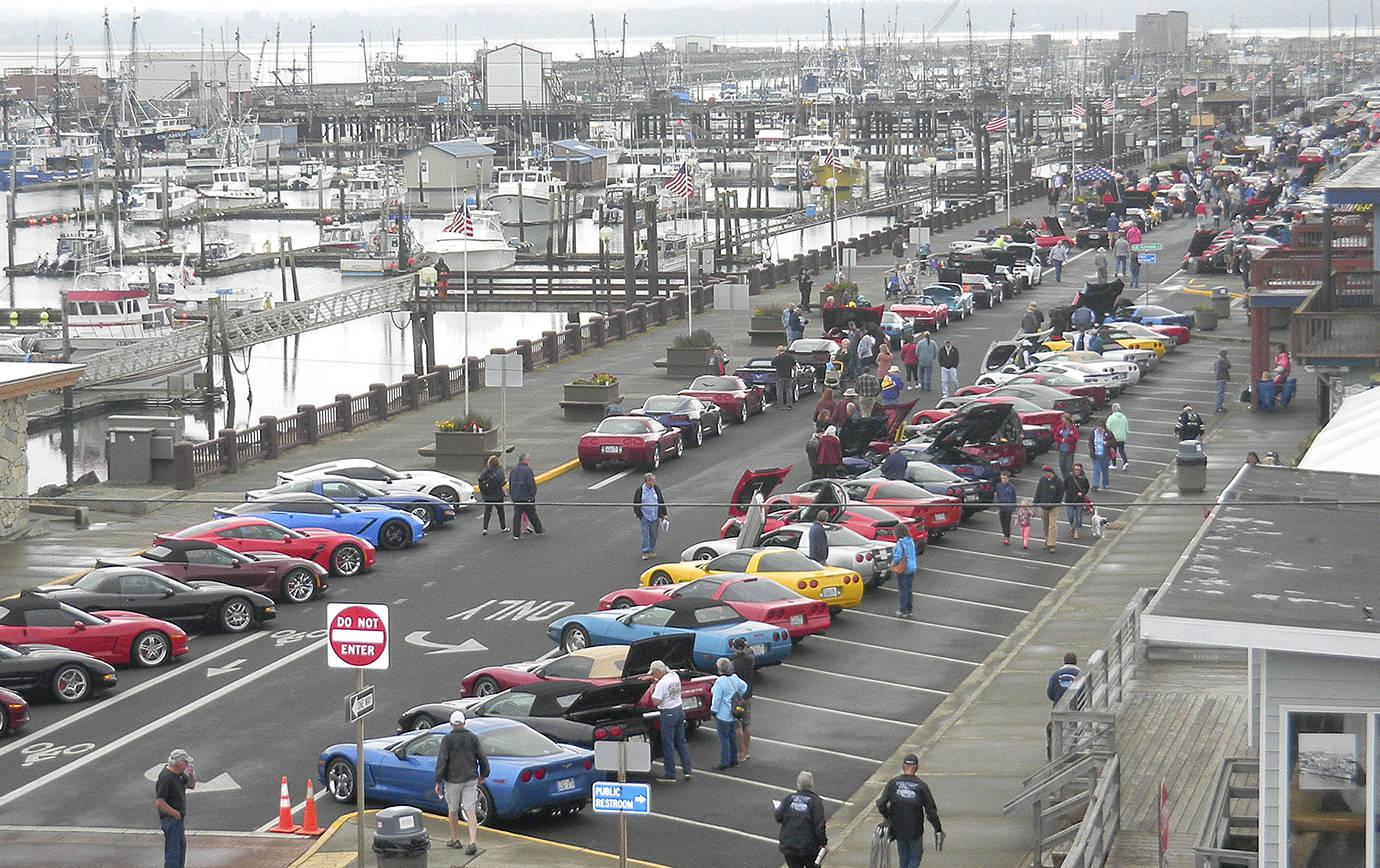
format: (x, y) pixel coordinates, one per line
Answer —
(1231, 831)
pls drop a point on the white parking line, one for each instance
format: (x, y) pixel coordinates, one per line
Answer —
(713, 774)
(917, 622)
(889, 650)
(830, 751)
(738, 832)
(155, 725)
(1034, 532)
(998, 554)
(833, 674)
(756, 697)
(957, 600)
(614, 478)
(962, 575)
(103, 704)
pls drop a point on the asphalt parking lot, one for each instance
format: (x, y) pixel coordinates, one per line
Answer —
(257, 707)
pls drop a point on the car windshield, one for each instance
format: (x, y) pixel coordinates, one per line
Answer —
(516, 741)
(785, 562)
(663, 404)
(902, 491)
(714, 384)
(622, 426)
(158, 553)
(756, 592)
(758, 362)
(810, 345)
(923, 471)
(6, 652)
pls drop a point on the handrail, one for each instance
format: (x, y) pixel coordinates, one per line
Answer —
(1056, 774)
(1100, 824)
(1211, 851)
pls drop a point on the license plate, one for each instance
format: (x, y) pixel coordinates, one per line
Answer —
(797, 620)
(830, 593)
(691, 702)
(614, 449)
(565, 786)
(759, 649)
(940, 516)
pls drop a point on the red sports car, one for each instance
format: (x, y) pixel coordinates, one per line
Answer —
(635, 440)
(341, 553)
(14, 712)
(753, 597)
(112, 636)
(1030, 413)
(925, 311)
(294, 580)
(871, 522)
(734, 396)
(1096, 395)
(939, 512)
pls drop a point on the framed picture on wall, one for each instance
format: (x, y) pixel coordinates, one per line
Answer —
(1329, 761)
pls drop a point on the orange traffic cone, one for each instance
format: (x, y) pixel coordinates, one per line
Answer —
(309, 826)
(285, 825)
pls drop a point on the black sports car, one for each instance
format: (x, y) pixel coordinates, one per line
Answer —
(209, 605)
(14, 712)
(696, 419)
(70, 676)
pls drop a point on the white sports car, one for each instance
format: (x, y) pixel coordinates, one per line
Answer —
(1128, 372)
(1065, 369)
(433, 482)
(847, 549)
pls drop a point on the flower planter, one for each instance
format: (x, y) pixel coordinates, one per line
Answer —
(766, 331)
(462, 451)
(1205, 318)
(586, 394)
(687, 362)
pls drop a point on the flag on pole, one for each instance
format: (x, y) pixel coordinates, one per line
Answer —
(832, 160)
(1250, 76)
(1108, 104)
(681, 184)
(1150, 100)
(461, 223)
(1188, 90)
(998, 123)
(1078, 110)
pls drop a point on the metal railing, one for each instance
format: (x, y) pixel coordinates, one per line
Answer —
(1075, 806)
(1340, 321)
(1233, 819)
(1084, 717)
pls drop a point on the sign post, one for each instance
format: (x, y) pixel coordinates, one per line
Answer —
(1164, 822)
(357, 638)
(503, 370)
(622, 798)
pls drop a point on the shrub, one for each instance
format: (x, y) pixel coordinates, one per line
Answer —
(697, 338)
(596, 380)
(472, 421)
(769, 310)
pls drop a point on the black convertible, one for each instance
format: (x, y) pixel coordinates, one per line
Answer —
(68, 676)
(202, 605)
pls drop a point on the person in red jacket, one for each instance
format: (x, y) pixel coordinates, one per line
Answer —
(830, 456)
(1066, 441)
(910, 359)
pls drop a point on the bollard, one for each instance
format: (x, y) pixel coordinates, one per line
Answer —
(269, 436)
(307, 424)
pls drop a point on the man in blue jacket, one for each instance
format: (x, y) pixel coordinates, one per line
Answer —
(522, 490)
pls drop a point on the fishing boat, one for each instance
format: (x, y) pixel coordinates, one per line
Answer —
(149, 202)
(230, 188)
(838, 161)
(527, 197)
(369, 190)
(483, 248)
(196, 298)
(342, 236)
(77, 250)
(380, 252)
(103, 312)
(789, 174)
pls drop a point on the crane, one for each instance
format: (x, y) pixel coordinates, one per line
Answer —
(943, 17)
(594, 36)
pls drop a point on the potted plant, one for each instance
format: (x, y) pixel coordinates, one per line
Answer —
(1205, 317)
(688, 355)
(598, 389)
(765, 327)
(469, 436)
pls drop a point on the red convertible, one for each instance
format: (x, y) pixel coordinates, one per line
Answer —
(1095, 394)
(735, 397)
(112, 636)
(753, 597)
(940, 512)
(634, 440)
(341, 553)
(925, 311)
(829, 505)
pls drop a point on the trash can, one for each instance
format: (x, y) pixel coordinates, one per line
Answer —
(400, 833)
(1221, 302)
(1190, 467)
(1265, 393)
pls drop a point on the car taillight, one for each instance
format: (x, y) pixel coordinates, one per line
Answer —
(802, 584)
(869, 556)
(539, 774)
(781, 637)
(858, 558)
(680, 417)
(525, 776)
(954, 491)
(589, 764)
(814, 583)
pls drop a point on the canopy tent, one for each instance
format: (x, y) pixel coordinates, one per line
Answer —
(1095, 173)
(1347, 443)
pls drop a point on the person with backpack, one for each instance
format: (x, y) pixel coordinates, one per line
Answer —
(717, 362)
(1101, 448)
(903, 566)
(491, 489)
(745, 667)
(728, 689)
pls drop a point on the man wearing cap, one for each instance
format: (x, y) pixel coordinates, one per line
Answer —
(170, 797)
(460, 766)
(904, 804)
(1049, 493)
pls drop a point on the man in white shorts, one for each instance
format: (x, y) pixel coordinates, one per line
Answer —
(460, 767)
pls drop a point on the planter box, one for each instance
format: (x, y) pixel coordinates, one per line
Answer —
(1205, 318)
(462, 451)
(686, 362)
(766, 331)
(577, 394)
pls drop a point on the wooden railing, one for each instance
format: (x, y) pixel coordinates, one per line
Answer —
(1340, 321)
(1233, 819)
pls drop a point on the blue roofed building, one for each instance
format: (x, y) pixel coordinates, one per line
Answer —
(442, 174)
(578, 163)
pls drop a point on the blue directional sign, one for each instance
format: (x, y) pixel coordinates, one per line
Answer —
(1148, 258)
(615, 798)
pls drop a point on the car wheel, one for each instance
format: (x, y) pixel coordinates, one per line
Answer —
(236, 615)
(655, 462)
(446, 493)
(484, 807)
(485, 685)
(742, 413)
(622, 603)
(661, 577)
(680, 446)
(299, 585)
(394, 534)
(705, 555)
(4, 723)
(340, 780)
(697, 437)
(719, 425)
(424, 515)
(424, 721)
(347, 559)
(574, 637)
(71, 684)
(150, 648)
(795, 393)
(692, 725)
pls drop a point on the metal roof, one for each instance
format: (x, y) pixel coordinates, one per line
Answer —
(581, 148)
(463, 148)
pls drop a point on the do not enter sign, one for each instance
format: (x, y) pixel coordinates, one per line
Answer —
(357, 635)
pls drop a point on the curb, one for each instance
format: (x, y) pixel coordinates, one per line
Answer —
(548, 475)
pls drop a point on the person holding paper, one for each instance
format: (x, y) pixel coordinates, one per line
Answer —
(650, 508)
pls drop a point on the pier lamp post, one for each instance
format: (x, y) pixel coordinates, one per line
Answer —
(1174, 119)
(934, 170)
(605, 238)
(832, 182)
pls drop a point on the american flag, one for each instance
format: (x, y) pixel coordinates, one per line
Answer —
(832, 160)
(1150, 100)
(1078, 110)
(461, 223)
(1188, 90)
(681, 184)
(1108, 104)
(1250, 76)
(998, 123)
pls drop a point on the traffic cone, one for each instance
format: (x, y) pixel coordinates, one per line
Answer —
(285, 825)
(309, 826)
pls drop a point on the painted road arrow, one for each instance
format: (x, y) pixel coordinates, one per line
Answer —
(232, 666)
(418, 638)
(220, 783)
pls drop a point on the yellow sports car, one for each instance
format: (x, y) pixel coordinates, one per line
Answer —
(1121, 339)
(840, 588)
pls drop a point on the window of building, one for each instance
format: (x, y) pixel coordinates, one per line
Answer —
(1330, 767)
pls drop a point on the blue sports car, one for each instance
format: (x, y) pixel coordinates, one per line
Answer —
(528, 772)
(1152, 315)
(427, 507)
(696, 419)
(385, 528)
(713, 624)
(761, 371)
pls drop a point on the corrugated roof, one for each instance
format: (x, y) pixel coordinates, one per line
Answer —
(464, 148)
(580, 147)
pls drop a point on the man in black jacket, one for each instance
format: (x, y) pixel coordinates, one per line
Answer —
(905, 803)
(803, 838)
(784, 365)
(522, 488)
(650, 508)
(460, 767)
(948, 368)
(1049, 493)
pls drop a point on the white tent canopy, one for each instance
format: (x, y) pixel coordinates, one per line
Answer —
(1348, 442)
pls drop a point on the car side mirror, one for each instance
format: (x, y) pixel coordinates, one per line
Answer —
(78, 625)
(287, 538)
(336, 513)
(167, 594)
(235, 565)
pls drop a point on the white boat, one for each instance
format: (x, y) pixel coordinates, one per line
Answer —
(230, 188)
(343, 236)
(380, 252)
(788, 174)
(103, 311)
(526, 196)
(369, 191)
(312, 173)
(194, 298)
(485, 250)
(147, 202)
(78, 250)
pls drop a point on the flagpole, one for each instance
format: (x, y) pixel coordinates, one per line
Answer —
(465, 282)
(689, 290)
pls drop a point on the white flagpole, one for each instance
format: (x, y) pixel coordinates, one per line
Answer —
(1008, 164)
(465, 280)
(689, 290)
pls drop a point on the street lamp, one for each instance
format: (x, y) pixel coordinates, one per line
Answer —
(1174, 118)
(832, 182)
(605, 238)
(934, 167)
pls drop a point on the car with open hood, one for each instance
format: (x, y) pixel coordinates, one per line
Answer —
(196, 604)
(756, 598)
(636, 441)
(293, 580)
(383, 527)
(695, 419)
(737, 398)
(976, 442)
(713, 624)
